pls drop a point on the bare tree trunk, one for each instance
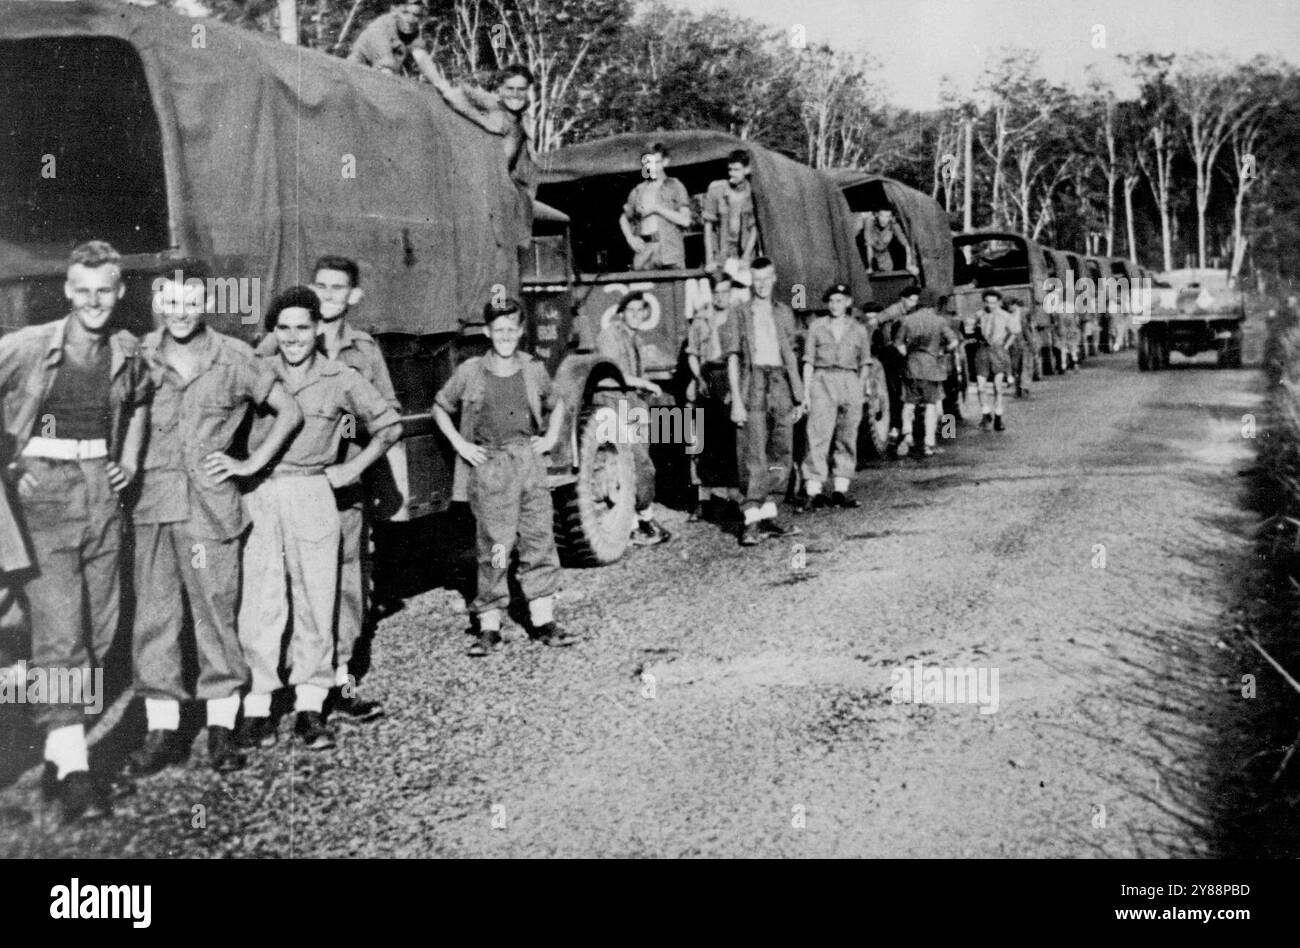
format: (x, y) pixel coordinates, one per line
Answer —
(1130, 184)
(347, 25)
(966, 178)
(288, 10)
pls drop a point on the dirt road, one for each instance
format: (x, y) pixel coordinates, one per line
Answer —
(1085, 565)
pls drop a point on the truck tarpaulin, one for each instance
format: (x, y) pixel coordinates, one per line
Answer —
(274, 154)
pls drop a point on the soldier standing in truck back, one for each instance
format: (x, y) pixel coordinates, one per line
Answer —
(730, 231)
(656, 212)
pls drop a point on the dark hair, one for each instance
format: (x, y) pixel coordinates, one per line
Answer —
(909, 290)
(515, 69)
(1015, 301)
(636, 296)
(738, 157)
(341, 264)
(507, 307)
(656, 149)
(296, 297)
(761, 263)
(991, 292)
(94, 253)
(718, 276)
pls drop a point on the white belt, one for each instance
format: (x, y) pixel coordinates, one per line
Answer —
(66, 449)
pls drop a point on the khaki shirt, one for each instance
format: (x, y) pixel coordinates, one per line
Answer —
(29, 359)
(618, 343)
(672, 194)
(333, 397)
(732, 209)
(190, 420)
(823, 351)
(380, 47)
(359, 350)
(704, 337)
(926, 334)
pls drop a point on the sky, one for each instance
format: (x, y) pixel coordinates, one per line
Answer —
(919, 41)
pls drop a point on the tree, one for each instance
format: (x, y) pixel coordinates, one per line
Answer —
(1018, 105)
(1212, 102)
(1156, 154)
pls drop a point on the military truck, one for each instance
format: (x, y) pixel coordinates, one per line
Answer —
(172, 137)
(1191, 311)
(803, 224)
(927, 228)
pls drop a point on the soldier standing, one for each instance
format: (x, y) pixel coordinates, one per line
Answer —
(75, 400)
(730, 234)
(654, 215)
(888, 321)
(189, 517)
(924, 338)
(509, 420)
(767, 398)
(992, 362)
(293, 549)
(836, 360)
(714, 466)
(336, 280)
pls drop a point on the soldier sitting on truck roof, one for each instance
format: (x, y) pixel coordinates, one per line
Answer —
(655, 214)
(391, 42)
(502, 113)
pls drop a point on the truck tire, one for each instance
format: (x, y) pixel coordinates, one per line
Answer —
(873, 433)
(594, 516)
(1230, 354)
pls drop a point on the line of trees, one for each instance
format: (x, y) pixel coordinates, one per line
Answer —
(1198, 168)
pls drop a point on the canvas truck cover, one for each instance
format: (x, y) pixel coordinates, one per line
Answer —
(924, 221)
(803, 219)
(275, 154)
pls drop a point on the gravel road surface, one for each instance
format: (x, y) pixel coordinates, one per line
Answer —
(729, 702)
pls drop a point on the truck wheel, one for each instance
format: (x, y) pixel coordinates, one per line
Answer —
(1144, 352)
(873, 433)
(1230, 354)
(595, 516)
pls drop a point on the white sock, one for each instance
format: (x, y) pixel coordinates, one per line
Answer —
(222, 711)
(341, 675)
(542, 610)
(841, 485)
(489, 620)
(753, 515)
(163, 714)
(813, 488)
(647, 515)
(65, 747)
(257, 705)
(767, 511)
(309, 698)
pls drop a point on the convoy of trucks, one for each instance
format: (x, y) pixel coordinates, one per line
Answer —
(172, 139)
